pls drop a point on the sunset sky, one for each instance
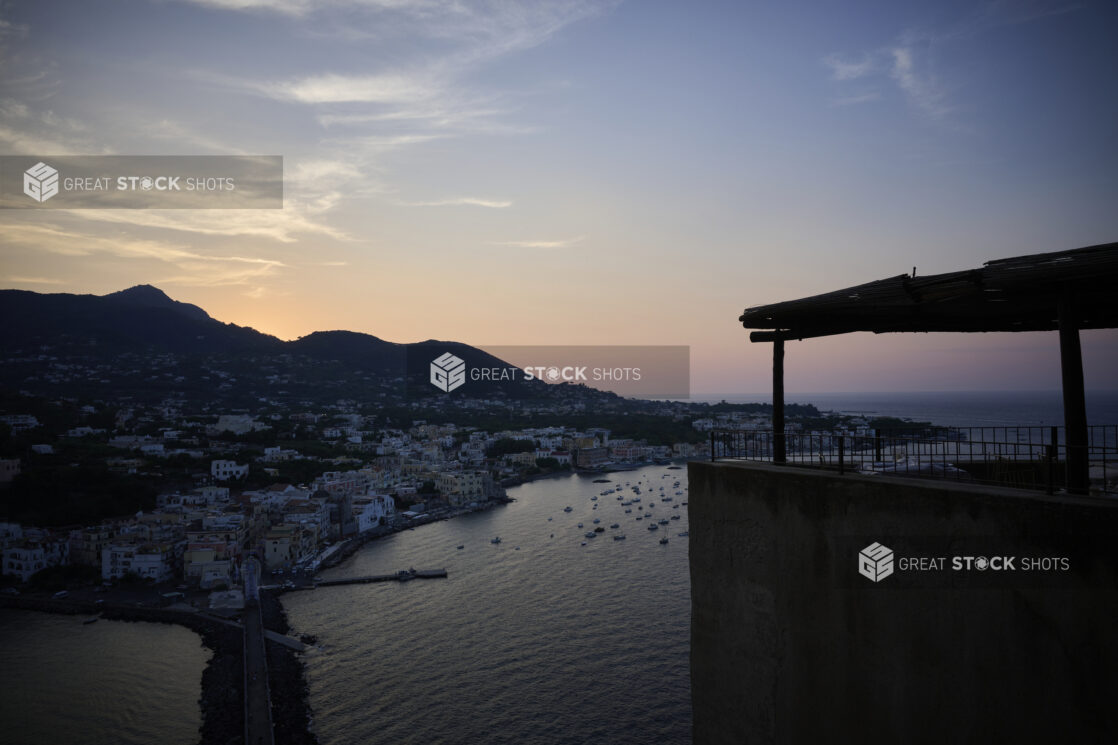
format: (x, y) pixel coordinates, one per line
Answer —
(578, 172)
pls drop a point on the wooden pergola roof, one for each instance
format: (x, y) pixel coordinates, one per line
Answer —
(1018, 294)
(1064, 291)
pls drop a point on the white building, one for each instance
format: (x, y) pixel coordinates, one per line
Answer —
(223, 470)
(24, 560)
(368, 511)
(37, 552)
(150, 561)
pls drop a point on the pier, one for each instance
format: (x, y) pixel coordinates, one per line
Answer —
(403, 575)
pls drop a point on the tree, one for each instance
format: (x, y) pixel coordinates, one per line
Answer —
(509, 446)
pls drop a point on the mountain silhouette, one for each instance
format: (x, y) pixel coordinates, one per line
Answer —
(142, 322)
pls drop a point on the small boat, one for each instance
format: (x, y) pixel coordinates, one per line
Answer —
(684, 534)
(619, 538)
(663, 540)
(675, 517)
(627, 510)
(615, 526)
(567, 508)
(663, 522)
(496, 540)
(599, 529)
(597, 520)
(461, 547)
(580, 525)
(591, 534)
(653, 526)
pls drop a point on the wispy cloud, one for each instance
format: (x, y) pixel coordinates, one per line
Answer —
(565, 243)
(197, 268)
(461, 202)
(918, 83)
(906, 64)
(26, 129)
(285, 7)
(336, 88)
(170, 131)
(425, 94)
(909, 63)
(844, 69)
(284, 226)
(32, 280)
(858, 98)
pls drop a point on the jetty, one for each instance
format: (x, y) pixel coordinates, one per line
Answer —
(403, 575)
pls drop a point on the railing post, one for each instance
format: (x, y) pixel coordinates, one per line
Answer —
(877, 445)
(1053, 457)
(779, 453)
(1075, 407)
(842, 452)
(712, 445)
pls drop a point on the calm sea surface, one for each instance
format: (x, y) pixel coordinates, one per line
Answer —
(110, 682)
(538, 639)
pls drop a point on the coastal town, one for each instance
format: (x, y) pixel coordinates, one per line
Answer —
(227, 487)
(180, 487)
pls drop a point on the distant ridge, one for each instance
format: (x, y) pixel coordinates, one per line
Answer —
(143, 320)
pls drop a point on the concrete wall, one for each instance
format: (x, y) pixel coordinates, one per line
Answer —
(791, 645)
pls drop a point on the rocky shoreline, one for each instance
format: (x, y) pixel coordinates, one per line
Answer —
(292, 720)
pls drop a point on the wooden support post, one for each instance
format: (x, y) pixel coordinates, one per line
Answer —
(779, 453)
(1075, 404)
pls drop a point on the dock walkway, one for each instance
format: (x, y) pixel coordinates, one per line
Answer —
(403, 575)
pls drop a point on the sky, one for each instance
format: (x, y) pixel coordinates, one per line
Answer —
(582, 172)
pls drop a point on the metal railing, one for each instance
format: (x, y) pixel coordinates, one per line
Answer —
(1029, 457)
